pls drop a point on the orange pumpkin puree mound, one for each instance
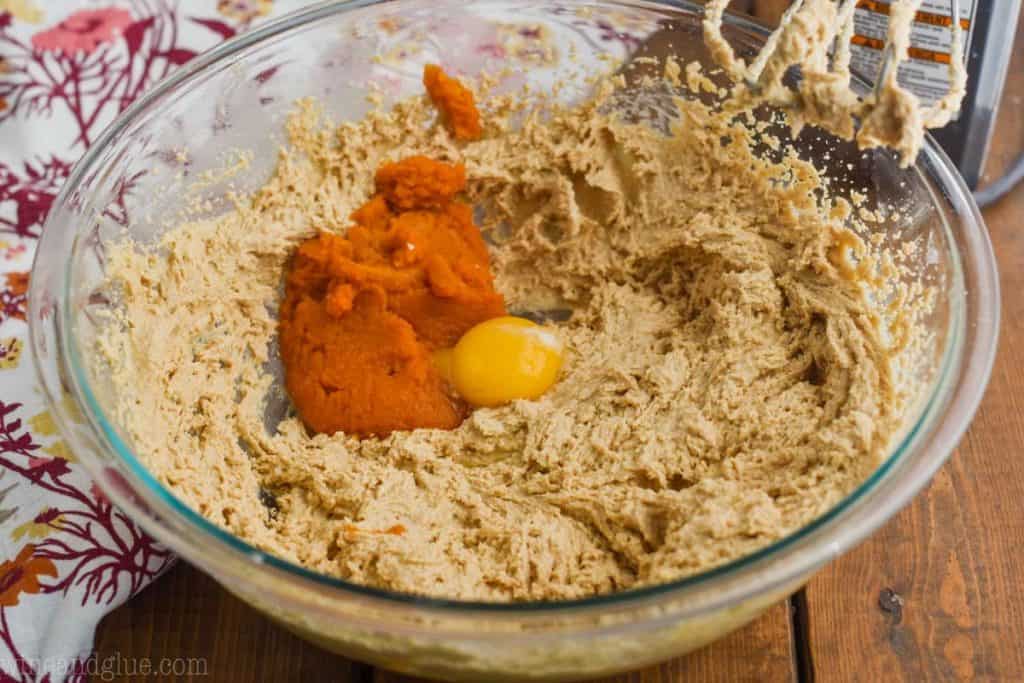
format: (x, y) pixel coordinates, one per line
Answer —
(363, 313)
(454, 101)
(420, 183)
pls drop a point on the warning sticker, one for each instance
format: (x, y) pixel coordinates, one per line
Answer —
(926, 73)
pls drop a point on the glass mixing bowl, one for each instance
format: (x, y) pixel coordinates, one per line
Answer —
(236, 96)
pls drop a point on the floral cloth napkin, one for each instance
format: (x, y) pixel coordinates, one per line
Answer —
(67, 68)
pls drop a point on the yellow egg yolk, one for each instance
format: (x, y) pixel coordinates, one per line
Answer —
(502, 360)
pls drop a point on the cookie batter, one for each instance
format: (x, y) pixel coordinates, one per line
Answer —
(725, 377)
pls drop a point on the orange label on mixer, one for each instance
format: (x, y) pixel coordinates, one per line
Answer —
(921, 17)
(868, 42)
(912, 52)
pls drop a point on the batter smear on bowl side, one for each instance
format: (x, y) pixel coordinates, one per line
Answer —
(728, 372)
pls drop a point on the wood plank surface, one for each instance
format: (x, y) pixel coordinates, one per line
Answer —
(187, 620)
(936, 594)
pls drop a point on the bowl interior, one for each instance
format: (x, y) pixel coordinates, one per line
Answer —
(175, 153)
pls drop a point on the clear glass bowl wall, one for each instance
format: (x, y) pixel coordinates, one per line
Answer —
(236, 98)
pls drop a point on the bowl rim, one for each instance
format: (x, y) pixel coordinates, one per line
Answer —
(940, 403)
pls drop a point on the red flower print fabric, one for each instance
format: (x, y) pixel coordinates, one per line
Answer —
(67, 69)
(84, 31)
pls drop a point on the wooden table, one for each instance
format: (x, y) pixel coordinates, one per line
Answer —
(935, 595)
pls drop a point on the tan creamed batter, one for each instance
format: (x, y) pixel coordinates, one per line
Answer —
(725, 378)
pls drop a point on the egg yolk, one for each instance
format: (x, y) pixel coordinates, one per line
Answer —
(501, 360)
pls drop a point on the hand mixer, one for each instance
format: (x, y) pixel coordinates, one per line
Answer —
(984, 33)
(816, 38)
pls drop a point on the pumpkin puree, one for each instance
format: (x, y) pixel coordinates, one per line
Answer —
(363, 313)
(454, 101)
